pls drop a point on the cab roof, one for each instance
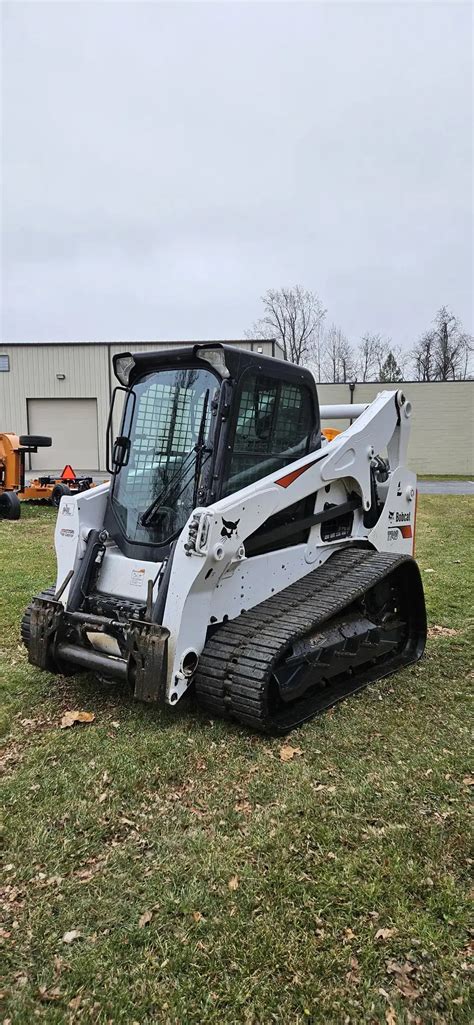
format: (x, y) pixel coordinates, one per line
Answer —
(232, 359)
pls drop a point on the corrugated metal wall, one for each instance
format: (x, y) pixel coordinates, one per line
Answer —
(442, 437)
(442, 431)
(33, 375)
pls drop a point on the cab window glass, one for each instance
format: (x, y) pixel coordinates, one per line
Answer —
(274, 425)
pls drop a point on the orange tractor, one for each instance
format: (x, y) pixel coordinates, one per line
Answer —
(13, 487)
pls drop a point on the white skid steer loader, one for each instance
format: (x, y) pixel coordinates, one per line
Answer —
(236, 549)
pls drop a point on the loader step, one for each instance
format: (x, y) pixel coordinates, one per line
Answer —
(358, 618)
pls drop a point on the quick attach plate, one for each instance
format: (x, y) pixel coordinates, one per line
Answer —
(148, 648)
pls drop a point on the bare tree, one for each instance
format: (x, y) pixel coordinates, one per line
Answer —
(338, 361)
(371, 352)
(443, 353)
(423, 358)
(294, 316)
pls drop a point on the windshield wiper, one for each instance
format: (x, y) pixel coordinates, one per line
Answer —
(200, 447)
(197, 451)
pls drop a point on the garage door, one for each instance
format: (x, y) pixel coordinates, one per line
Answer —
(72, 424)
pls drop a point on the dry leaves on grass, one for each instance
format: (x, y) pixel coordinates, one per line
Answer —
(233, 883)
(69, 718)
(390, 1016)
(72, 935)
(145, 919)
(385, 934)
(287, 752)
(49, 995)
(244, 807)
(442, 631)
(75, 1003)
(401, 975)
(352, 976)
(468, 781)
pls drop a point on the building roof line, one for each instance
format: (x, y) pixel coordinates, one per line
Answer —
(147, 341)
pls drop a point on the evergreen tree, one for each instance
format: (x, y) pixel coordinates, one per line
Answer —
(390, 371)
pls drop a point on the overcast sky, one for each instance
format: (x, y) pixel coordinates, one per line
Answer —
(164, 164)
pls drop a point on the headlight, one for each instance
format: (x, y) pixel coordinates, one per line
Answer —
(214, 356)
(123, 366)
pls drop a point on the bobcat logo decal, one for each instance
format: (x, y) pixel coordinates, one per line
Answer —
(229, 528)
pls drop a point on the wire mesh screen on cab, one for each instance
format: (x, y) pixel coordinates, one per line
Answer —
(164, 432)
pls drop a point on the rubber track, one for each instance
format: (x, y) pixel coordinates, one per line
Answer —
(235, 663)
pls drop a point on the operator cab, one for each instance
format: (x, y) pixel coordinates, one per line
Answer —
(199, 423)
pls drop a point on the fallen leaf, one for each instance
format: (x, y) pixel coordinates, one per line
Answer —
(233, 883)
(75, 1003)
(102, 797)
(404, 984)
(406, 988)
(429, 570)
(72, 935)
(349, 935)
(441, 631)
(393, 968)
(116, 725)
(353, 976)
(385, 934)
(390, 1016)
(243, 806)
(58, 964)
(69, 718)
(468, 781)
(84, 873)
(197, 916)
(145, 919)
(287, 752)
(49, 994)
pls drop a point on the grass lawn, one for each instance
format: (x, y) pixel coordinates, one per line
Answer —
(205, 880)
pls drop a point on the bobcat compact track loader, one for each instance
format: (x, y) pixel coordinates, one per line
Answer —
(236, 549)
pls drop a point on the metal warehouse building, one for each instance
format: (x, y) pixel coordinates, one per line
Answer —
(63, 389)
